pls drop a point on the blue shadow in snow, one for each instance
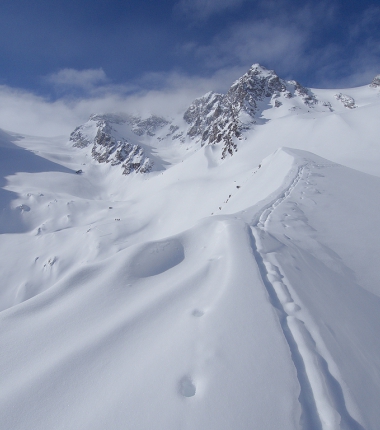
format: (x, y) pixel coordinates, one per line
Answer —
(14, 159)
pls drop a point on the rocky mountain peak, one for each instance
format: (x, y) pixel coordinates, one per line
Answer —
(254, 86)
(217, 118)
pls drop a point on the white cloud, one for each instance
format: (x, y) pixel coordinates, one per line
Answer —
(176, 90)
(26, 113)
(202, 9)
(85, 79)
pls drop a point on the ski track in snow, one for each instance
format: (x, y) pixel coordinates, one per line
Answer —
(321, 395)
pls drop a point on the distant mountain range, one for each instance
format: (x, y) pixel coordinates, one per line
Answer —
(220, 120)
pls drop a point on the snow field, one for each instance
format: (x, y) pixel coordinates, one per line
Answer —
(236, 294)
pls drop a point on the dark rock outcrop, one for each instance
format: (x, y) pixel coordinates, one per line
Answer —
(376, 82)
(108, 147)
(346, 100)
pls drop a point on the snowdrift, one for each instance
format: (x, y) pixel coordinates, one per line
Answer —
(263, 313)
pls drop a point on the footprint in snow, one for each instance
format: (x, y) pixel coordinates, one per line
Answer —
(23, 208)
(291, 307)
(197, 313)
(187, 387)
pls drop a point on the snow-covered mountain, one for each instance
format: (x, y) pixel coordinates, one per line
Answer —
(216, 270)
(219, 120)
(107, 135)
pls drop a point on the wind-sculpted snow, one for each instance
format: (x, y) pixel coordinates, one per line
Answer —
(323, 399)
(171, 346)
(247, 317)
(156, 258)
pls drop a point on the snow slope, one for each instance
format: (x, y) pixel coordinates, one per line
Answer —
(211, 294)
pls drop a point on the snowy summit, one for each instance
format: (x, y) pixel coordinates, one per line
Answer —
(215, 269)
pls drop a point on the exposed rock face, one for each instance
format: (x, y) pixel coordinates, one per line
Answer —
(83, 136)
(347, 101)
(146, 126)
(376, 82)
(328, 105)
(108, 147)
(216, 118)
(306, 95)
(80, 138)
(202, 113)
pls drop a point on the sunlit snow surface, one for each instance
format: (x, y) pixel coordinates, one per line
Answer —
(236, 294)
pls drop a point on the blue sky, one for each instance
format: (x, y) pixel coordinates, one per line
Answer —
(69, 51)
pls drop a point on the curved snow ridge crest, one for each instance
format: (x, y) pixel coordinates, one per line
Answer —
(300, 160)
(266, 213)
(280, 173)
(322, 396)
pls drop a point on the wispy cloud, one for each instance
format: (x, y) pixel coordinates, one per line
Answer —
(356, 60)
(84, 79)
(203, 9)
(365, 24)
(166, 93)
(24, 112)
(277, 36)
(263, 42)
(296, 43)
